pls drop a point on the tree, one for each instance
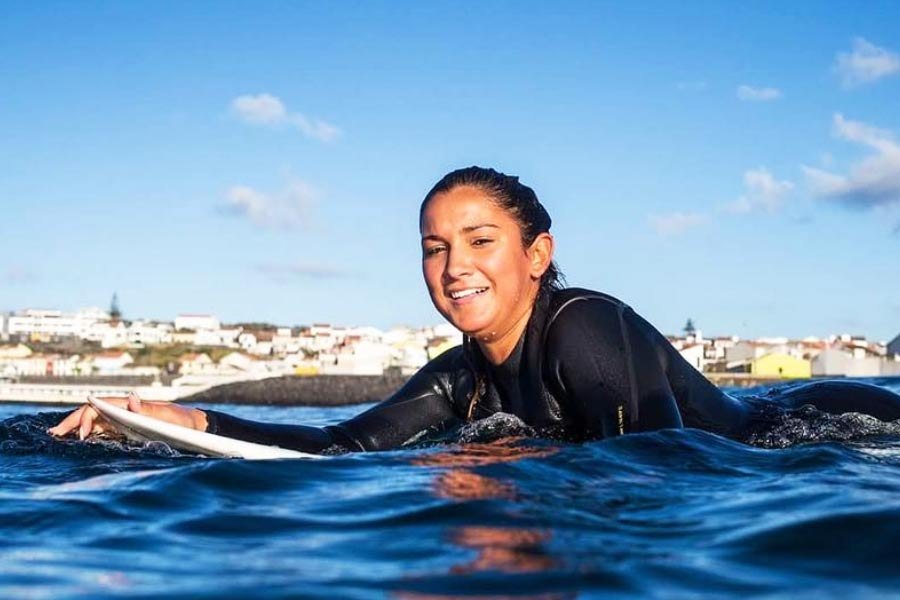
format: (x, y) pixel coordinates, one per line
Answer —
(114, 312)
(689, 328)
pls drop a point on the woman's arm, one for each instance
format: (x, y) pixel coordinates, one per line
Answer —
(424, 402)
(421, 404)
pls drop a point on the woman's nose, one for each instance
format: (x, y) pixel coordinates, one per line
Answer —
(459, 263)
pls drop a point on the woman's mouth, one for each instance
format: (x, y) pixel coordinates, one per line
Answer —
(467, 293)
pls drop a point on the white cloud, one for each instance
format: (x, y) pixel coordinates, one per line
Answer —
(866, 63)
(287, 209)
(280, 273)
(762, 191)
(266, 109)
(315, 129)
(261, 109)
(872, 182)
(754, 94)
(676, 223)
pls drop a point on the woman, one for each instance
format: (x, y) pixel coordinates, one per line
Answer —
(570, 363)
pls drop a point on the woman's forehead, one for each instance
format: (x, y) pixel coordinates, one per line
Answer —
(463, 207)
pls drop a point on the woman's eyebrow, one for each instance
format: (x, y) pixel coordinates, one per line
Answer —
(466, 229)
(471, 228)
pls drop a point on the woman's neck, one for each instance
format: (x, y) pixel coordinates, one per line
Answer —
(498, 349)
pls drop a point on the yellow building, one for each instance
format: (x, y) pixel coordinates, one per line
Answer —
(781, 365)
(306, 370)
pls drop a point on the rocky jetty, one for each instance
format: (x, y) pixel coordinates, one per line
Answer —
(316, 390)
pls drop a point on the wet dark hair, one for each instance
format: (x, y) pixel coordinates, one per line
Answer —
(516, 198)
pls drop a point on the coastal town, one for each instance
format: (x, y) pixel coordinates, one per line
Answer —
(56, 356)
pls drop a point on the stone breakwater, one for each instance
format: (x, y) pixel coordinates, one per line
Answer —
(316, 390)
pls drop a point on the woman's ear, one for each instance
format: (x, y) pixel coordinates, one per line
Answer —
(541, 254)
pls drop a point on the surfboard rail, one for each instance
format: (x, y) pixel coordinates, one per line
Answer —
(142, 428)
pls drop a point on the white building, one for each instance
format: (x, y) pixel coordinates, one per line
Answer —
(17, 351)
(193, 364)
(365, 333)
(718, 346)
(146, 333)
(357, 357)
(446, 330)
(236, 361)
(38, 323)
(283, 342)
(247, 341)
(217, 337)
(197, 322)
(110, 335)
(694, 354)
(262, 349)
(111, 363)
(42, 365)
(45, 324)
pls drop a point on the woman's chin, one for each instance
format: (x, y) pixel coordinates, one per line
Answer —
(473, 330)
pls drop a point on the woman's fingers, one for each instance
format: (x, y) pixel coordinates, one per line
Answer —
(86, 426)
(86, 420)
(134, 403)
(68, 424)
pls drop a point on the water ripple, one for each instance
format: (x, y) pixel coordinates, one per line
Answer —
(490, 513)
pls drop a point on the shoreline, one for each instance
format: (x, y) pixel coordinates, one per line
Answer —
(285, 390)
(312, 390)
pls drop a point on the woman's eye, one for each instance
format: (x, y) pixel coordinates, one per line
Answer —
(433, 250)
(482, 241)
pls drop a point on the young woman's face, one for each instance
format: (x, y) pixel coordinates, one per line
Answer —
(480, 276)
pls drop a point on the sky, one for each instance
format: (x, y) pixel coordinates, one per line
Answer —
(733, 163)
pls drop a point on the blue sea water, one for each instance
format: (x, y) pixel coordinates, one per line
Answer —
(671, 514)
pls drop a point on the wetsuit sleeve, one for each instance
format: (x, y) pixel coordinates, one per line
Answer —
(609, 374)
(423, 403)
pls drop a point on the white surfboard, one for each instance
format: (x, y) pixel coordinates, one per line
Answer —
(141, 428)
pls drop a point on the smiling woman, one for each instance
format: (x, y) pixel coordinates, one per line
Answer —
(571, 363)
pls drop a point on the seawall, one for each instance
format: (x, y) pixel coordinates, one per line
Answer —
(315, 390)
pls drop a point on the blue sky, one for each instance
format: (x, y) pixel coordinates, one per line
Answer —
(737, 164)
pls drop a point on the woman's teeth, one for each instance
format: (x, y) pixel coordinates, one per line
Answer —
(468, 292)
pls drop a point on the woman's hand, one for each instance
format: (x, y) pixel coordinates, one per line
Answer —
(88, 421)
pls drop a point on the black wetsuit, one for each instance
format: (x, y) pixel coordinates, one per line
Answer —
(587, 367)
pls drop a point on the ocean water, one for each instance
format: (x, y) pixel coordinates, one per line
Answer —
(672, 514)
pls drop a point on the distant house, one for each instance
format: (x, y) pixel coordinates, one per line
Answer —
(196, 322)
(893, 347)
(837, 361)
(192, 363)
(44, 364)
(235, 361)
(694, 354)
(16, 351)
(216, 337)
(145, 333)
(184, 337)
(111, 363)
(115, 336)
(745, 351)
